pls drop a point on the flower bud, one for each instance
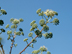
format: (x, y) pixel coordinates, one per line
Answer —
(21, 20)
(42, 22)
(38, 11)
(25, 39)
(7, 26)
(32, 22)
(46, 28)
(32, 29)
(41, 14)
(11, 20)
(15, 21)
(30, 34)
(15, 45)
(48, 52)
(34, 25)
(56, 21)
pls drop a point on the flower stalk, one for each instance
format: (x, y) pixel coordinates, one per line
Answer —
(12, 42)
(31, 41)
(12, 45)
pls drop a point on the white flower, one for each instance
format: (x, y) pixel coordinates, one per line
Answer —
(16, 21)
(43, 46)
(46, 11)
(38, 11)
(49, 12)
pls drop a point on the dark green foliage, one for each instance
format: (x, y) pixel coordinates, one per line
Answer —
(56, 21)
(46, 28)
(20, 29)
(37, 32)
(0, 8)
(56, 14)
(48, 35)
(4, 13)
(40, 35)
(22, 33)
(1, 22)
(34, 40)
(2, 30)
(42, 22)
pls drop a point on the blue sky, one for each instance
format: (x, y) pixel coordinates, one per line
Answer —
(61, 43)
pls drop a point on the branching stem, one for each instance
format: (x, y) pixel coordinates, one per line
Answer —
(12, 42)
(31, 41)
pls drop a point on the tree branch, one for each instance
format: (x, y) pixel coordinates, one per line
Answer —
(31, 41)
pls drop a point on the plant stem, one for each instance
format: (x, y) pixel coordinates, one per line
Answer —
(0, 52)
(27, 45)
(30, 42)
(2, 49)
(12, 42)
(12, 45)
(35, 38)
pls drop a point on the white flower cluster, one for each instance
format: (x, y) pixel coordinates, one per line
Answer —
(34, 25)
(32, 22)
(39, 12)
(3, 12)
(36, 51)
(30, 34)
(9, 32)
(48, 35)
(50, 13)
(15, 21)
(42, 22)
(18, 33)
(14, 26)
(43, 48)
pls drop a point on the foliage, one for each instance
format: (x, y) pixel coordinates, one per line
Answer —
(42, 22)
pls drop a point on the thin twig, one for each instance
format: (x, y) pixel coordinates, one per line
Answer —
(12, 42)
(11, 45)
(0, 51)
(2, 48)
